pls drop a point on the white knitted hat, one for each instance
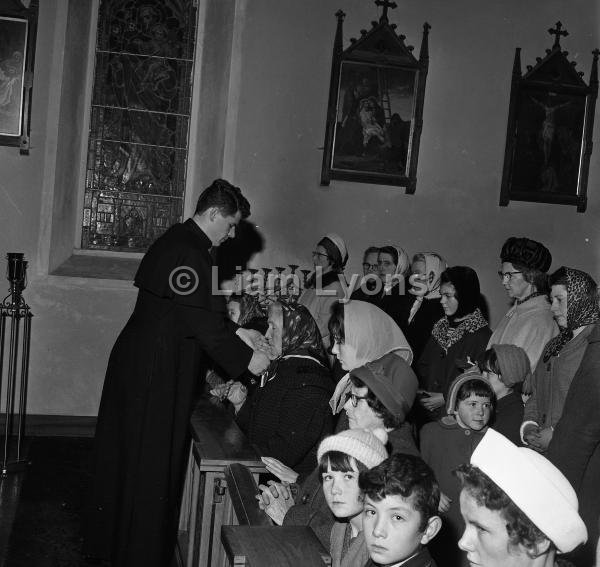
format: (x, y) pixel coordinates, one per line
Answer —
(535, 486)
(365, 446)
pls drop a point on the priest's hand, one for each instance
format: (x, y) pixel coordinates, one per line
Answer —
(252, 338)
(259, 362)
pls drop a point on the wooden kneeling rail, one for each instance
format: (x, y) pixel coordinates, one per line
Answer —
(242, 491)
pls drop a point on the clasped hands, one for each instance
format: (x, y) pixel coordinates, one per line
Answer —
(536, 438)
(275, 498)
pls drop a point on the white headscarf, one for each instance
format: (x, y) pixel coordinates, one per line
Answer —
(434, 264)
(373, 333)
(401, 271)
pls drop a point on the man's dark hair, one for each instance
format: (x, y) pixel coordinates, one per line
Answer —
(226, 197)
(407, 476)
(372, 250)
(521, 530)
(390, 420)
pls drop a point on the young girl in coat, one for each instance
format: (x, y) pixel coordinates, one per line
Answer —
(342, 458)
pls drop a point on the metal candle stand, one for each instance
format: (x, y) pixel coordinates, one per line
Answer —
(14, 309)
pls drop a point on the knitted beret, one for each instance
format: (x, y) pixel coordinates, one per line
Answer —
(513, 362)
(527, 253)
(392, 381)
(535, 486)
(365, 446)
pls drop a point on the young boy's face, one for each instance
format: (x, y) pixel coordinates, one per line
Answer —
(485, 539)
(474, 412)
(392, 529)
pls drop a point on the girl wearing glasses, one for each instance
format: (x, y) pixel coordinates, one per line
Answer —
(326, 283)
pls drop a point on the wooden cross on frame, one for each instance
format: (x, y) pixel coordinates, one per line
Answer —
(557, 31)
(386, 4)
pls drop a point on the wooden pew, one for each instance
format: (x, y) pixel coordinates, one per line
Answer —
(242, 491)
(217, 443)
(273, 546)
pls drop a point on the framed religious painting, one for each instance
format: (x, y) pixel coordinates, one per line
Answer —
(549, 134)
(375, 108)
(17, 30)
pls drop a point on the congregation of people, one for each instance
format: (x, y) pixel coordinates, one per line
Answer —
(392, 420)
(374, 407)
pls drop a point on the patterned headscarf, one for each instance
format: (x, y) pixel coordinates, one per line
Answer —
(582, 309)
(300, 337)
(434, 264)
(402, 267)
(301, 333)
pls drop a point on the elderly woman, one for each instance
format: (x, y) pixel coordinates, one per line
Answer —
(457, 338)
(288, 414)
(394, 269)
(363, 333)
(326, 283)
(528, 323)
(574, 297)
(424, 308)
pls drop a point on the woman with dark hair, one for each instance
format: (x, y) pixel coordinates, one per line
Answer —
(394, 269)
(288, 414)
(457, 338)
(528, 323)
(326, 283)
(574, 296)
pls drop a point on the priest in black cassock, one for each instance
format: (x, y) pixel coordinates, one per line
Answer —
(151, 383)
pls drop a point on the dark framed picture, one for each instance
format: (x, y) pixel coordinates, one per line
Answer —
(549, 136)
(13, 50)
(17, 46)
(375, 111)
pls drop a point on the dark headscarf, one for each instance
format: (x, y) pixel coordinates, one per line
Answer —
(301, 333)
(468, 293)
(582, 309)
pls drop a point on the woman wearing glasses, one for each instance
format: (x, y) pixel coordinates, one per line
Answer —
(326, 284)
(363, 333)
(457, 339)
(529, 322)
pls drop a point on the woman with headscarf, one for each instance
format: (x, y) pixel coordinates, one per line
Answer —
(288, 414)
(326, 284)
(457, 339)
(575, 308)
(424, 308)
(528, 323)
(394, 269)
(363, 333)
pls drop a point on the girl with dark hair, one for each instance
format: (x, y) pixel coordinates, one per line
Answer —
(457, 338)
(574, 296)
(326, 283)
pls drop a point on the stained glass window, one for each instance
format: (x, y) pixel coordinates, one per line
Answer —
(141, 104)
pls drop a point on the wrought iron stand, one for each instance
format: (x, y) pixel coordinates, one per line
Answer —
(15, 343)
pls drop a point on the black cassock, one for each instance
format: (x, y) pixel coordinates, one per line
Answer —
(154, 373)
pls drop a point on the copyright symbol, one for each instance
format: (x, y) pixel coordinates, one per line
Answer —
(183, 280)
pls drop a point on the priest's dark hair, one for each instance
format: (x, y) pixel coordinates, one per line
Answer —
(226, 197)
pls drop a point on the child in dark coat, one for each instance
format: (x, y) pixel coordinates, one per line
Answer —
(505, 366)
